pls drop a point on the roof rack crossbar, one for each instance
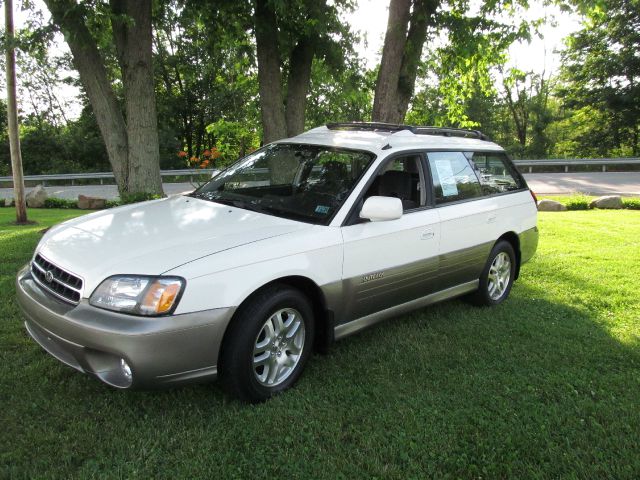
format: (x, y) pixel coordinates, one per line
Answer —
(372, 126)
(417, 130)
(450, 132)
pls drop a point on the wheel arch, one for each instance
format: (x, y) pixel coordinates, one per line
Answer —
(324, 318)
(514, 240)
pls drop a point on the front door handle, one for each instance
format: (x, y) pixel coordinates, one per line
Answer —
(427, 235)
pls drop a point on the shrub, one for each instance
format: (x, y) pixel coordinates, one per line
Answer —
(53, 202)
(577, 202)
(631, 203)
(137, 197)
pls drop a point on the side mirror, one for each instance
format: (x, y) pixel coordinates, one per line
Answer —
(379, 209)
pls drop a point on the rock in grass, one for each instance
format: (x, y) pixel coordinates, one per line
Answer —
(613, 202)
(91, 203)
(550, 206)
(36, 197)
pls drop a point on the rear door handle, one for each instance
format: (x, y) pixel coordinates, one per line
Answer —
(491, 218)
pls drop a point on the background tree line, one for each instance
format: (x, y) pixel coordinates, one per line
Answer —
(171, 83)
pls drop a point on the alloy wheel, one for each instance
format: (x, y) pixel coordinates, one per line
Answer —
(278, 347)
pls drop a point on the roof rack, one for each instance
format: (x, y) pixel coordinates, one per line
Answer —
(369, 126)
(450, 132)
(416, 130)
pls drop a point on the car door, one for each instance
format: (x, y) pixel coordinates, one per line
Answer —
(467, 218)
(391, 262)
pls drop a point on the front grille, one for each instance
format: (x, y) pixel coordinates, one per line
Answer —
(56, 281)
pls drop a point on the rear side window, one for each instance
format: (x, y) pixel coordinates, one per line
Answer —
(453, 177)
(495, 172)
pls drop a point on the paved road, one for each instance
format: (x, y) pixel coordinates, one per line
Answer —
(594, 183)
(590, 183)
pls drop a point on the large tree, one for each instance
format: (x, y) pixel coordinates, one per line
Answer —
(601, 74)
(406, 34)
(469, 43)
(289, 35)
(130, 133)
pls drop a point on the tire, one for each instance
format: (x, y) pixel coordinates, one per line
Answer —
(497, 276)
(268, 344)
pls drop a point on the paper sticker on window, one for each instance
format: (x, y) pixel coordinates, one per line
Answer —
(322, 209)
(447, 180)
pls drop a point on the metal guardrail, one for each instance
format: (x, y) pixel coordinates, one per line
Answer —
(567, 162)
(72, 177)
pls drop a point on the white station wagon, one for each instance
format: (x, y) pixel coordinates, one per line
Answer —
(301, 243)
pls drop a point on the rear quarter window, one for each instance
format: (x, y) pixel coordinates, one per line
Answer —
(495, 172)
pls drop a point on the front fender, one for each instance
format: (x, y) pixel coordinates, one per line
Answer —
(226, 279)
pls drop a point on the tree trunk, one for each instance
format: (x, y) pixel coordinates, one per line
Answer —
(421, 18)
(133, 38)
(12, 114)
(132, 146)
(519, 122)
(403, 42)
(385, 102)
(298, 82)
(269, 76)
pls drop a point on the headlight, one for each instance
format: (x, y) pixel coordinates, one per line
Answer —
(139, 295)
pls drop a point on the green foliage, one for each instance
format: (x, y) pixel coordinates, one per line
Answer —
(631, 203)
(232, 140)
(339, 95)
(601, 80)
(542, 386)
(581, 202)
(204, 73)
(592, 110)
(577, 202)
(207, 88)
(46, 148)
(63, 203)
(126, 199)
(474, 44)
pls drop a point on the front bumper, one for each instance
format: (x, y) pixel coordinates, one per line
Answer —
(158, 351)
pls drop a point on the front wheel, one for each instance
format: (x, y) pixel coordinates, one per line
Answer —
(268, 344)
(497, 276)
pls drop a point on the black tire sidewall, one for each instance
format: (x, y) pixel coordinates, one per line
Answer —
(237, 358)
(483, 289)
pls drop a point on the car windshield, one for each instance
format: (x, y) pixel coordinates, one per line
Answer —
(302, 182)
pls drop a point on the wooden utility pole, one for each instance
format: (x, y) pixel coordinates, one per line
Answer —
(12, 114)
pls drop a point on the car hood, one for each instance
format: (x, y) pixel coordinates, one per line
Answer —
(154, 237)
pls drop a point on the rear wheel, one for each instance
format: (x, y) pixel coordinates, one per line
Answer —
(497, 277)
(268, 344)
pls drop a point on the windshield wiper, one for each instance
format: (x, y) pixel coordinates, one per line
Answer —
(257, 207)
(239, 204)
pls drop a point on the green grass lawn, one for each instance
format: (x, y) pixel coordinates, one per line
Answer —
(546, 385)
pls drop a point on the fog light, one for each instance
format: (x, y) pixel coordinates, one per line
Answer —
(126, 369)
